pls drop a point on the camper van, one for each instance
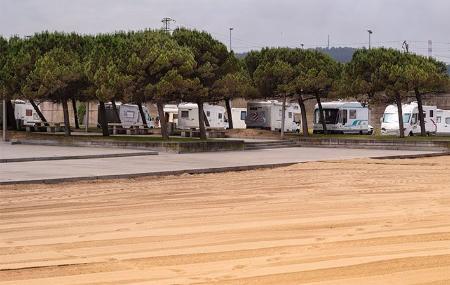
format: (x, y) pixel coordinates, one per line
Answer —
(390, 124)
(238, 115)
(25, 113)
(188, 116)
(343, 118)
(171, 114)
(267, 115)
(443, 122)
(129, 115)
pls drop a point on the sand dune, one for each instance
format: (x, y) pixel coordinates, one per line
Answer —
(350, 222)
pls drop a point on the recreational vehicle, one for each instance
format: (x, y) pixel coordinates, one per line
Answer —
(188, 116)
(129, 115)
(343, 118)
(268, 115)
(443, 122)
(390, 124)
(171, 114)
(238, 115)
(25, 114)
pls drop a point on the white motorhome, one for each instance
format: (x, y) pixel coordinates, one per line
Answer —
(188, 116)
(171, 113)
(390, 124)
(129, 115)
(238, 115)
(268, 115)
(343, 118)
(25, 113)
(443, 122)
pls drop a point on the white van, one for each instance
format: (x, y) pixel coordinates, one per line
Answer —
(390, 124)
(188, 116)
(268, 115)
(25, 113)
(343, 118)
(443, 122)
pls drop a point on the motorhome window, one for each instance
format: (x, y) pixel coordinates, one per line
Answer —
(438, 120)
(208, 113)
(253, 108)
(447, 121)
(184, 114)
(220, 116)
(129, 114)
(406, 117)
(331, 116)
(290, 115)
(414, 119)
(352, 114)
(431, 113)
(243, 115)
(175, 116)
(28, 112)
(424, 115)
(344, 117)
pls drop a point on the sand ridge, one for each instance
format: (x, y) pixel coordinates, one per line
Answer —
(339, 222)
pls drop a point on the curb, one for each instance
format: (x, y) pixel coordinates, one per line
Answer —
(68, 157)
(149, 174)
(413, 156)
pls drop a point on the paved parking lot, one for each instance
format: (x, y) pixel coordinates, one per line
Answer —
(164, 162)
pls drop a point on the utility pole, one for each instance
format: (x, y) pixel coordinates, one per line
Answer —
(430, 48)
(166, 24)
(231, 29)
(370, 38)
(4, 121)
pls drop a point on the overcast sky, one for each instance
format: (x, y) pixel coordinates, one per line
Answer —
(256, 23)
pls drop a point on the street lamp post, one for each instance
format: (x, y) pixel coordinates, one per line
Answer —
(231, 29)
(4, 121)
(370, 37)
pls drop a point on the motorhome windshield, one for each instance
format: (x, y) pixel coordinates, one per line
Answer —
(393, 118)
(331, 116)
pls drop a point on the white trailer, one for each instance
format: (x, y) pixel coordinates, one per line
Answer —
(443, 122)
(188, 116)
(268, 115)
(129, 115)
(390, 124)
(25, 113)
(239, 115)
(343, 118)
(171, 113)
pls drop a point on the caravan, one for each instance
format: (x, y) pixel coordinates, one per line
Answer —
(343, 118)
(443, 122)
(171, 114)
(25, 113)
(239, 115)
(188, 116)
(129, 115)
(268, 115)
(390, 124)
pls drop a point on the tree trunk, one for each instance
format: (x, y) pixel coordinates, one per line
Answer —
(11, 118)
(38, 111)
(75, 113)
(283, 116)
(423, 131)
(116, 111)
(304, 117)
(103, 121)
(66, 117)
(201, 121)
(398, 101)
(321, 115)
(230, 113)
(162, 121)
(141, 111)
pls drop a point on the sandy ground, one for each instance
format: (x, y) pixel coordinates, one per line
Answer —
(352, 222)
